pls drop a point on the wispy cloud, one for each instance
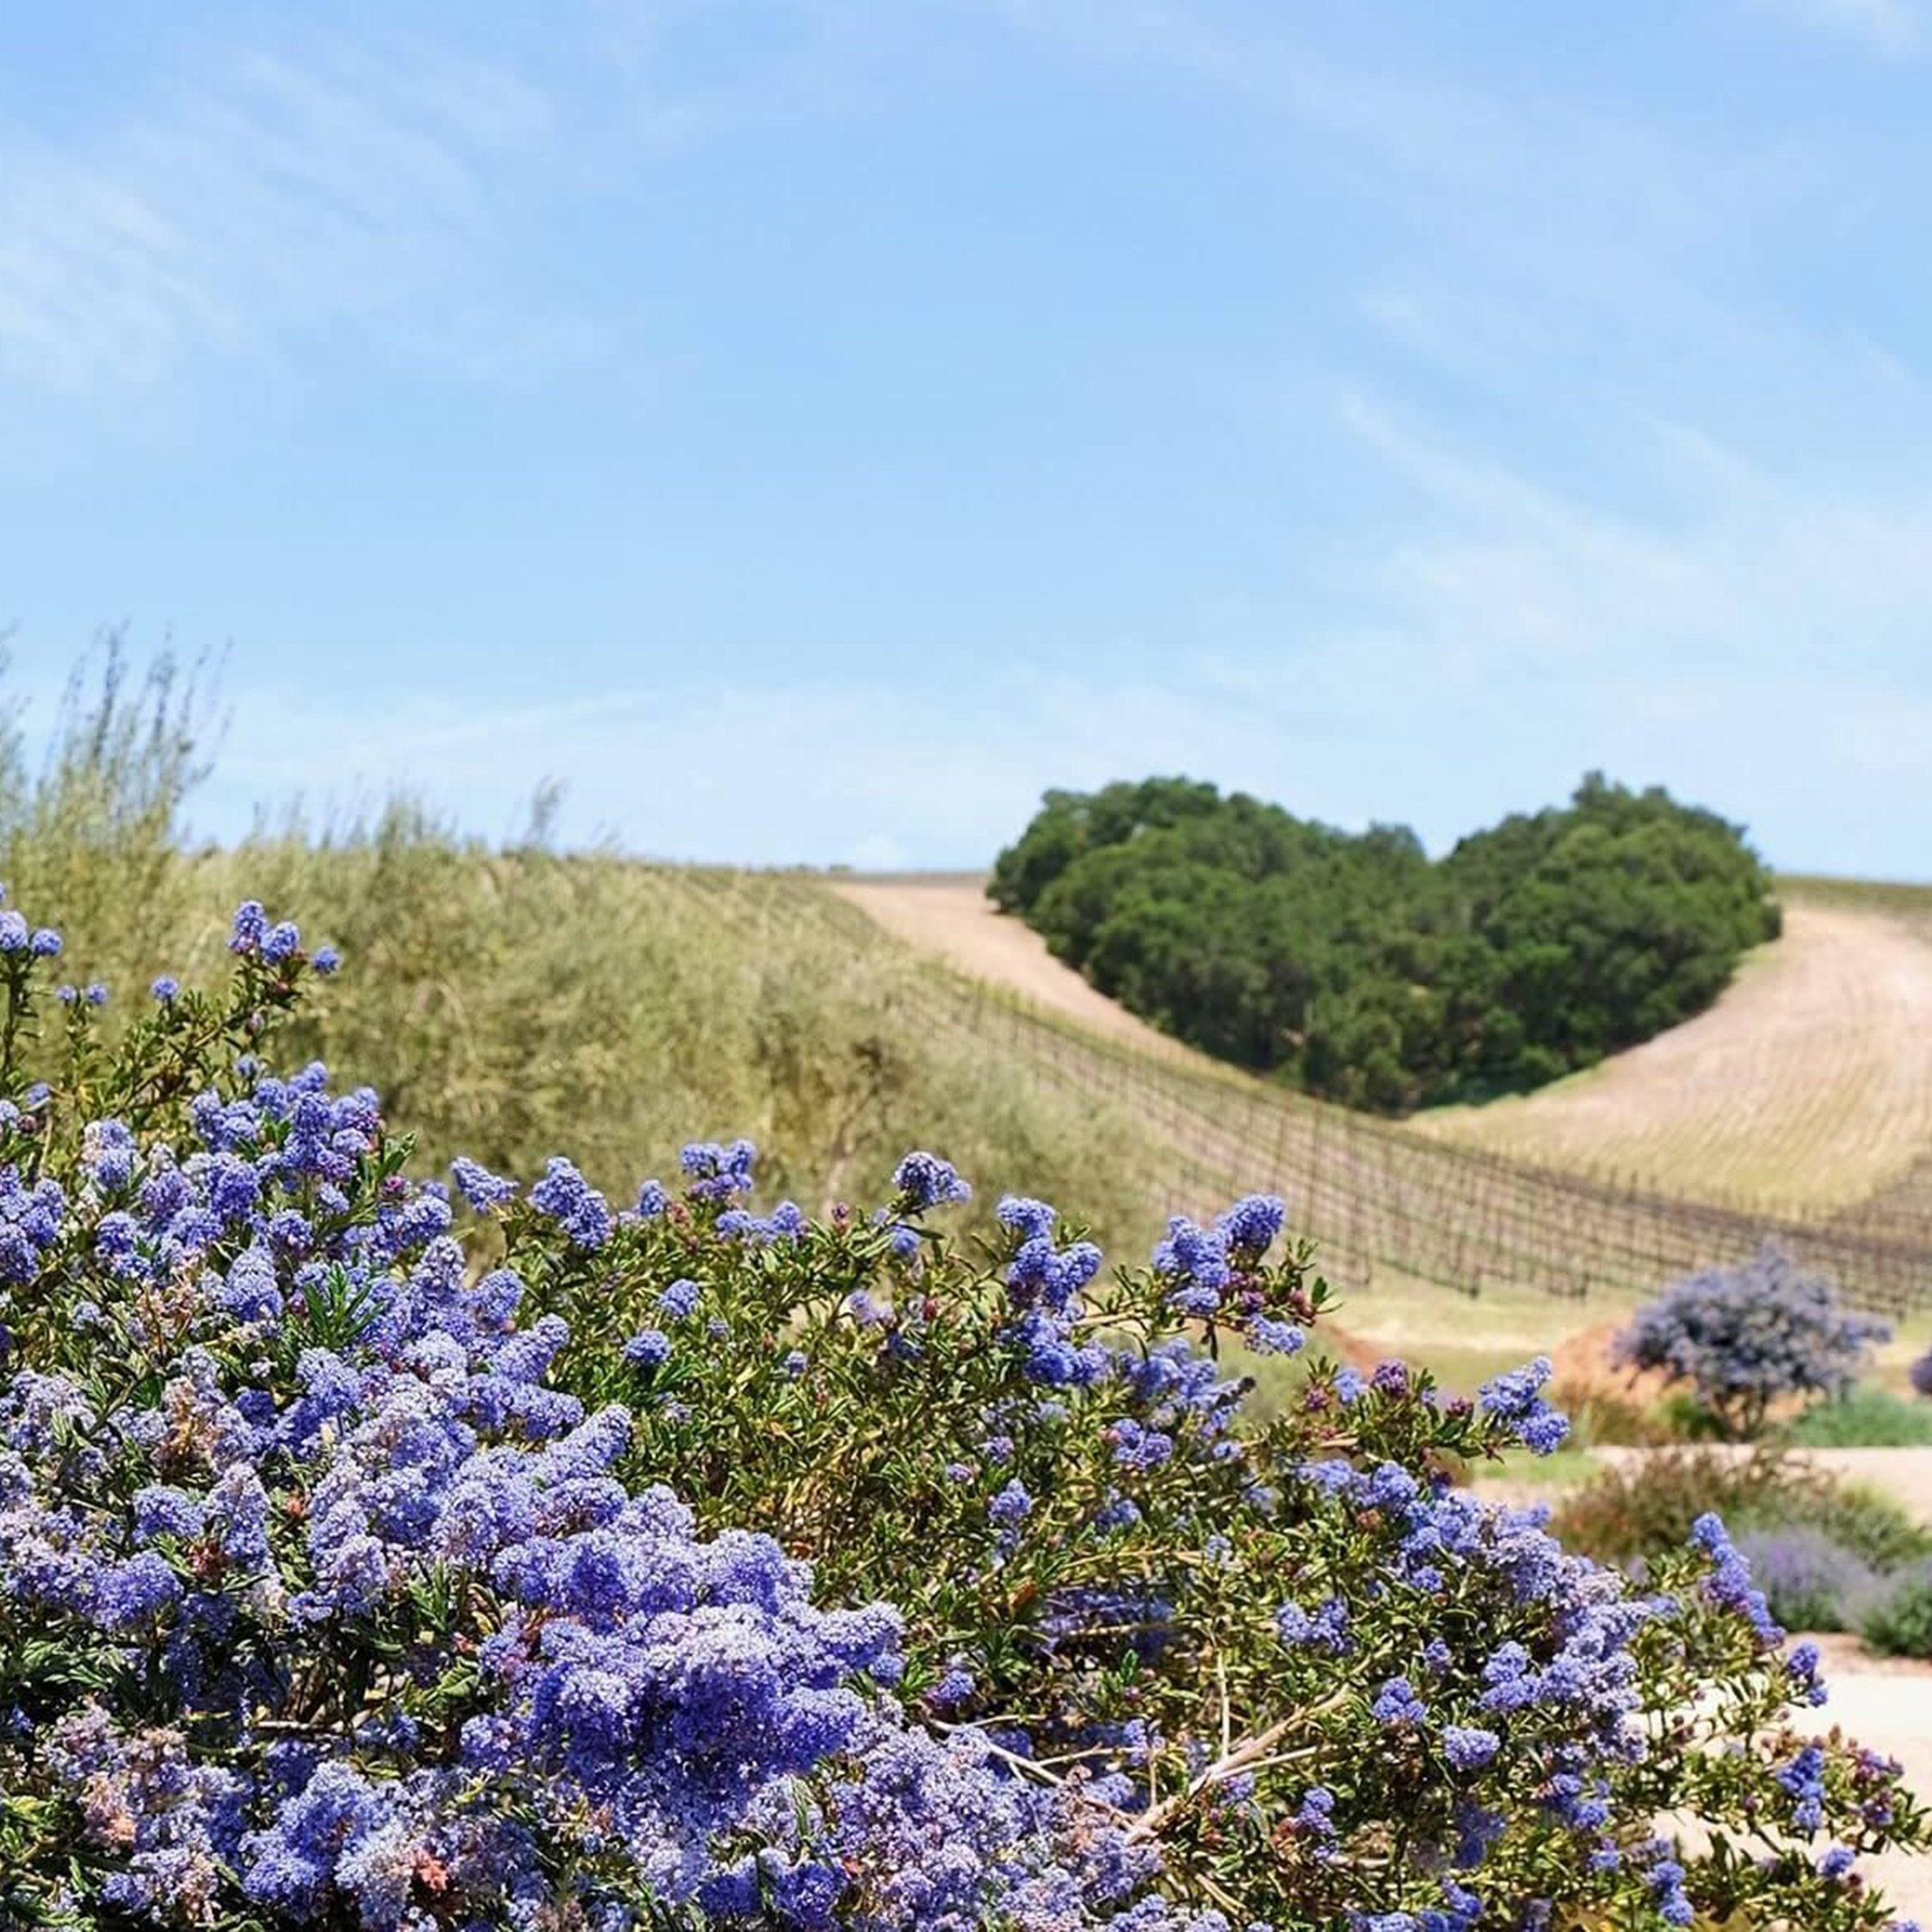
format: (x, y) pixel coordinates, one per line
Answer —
(1750, 635)
(1525, 219)
(818, 772)
(1601, 405)
(1733, 564)
(1892, 27)
(693, 70)
(273, 197)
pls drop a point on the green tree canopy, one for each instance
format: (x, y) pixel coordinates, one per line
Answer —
(1352, 965)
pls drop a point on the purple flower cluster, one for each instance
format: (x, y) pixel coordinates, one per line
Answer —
(481, 1188)
(1730, 1580)
(337, 1591)
(1517, 1398)
(577, 1668)
(713, 1172)
(785, 1222)
(923, 1181)
(571, 1201)
(40, 942)
(1744, 1336)
(1215, 1273)
(31, 1215)
(1582, 1686)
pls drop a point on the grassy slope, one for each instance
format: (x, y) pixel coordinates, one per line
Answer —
(513, 1005)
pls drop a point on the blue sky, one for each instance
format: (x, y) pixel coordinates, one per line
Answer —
(811, 427)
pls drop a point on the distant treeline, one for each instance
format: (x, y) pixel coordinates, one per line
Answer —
(1353, 966)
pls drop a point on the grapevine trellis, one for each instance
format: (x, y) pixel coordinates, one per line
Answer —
(1378, 1197)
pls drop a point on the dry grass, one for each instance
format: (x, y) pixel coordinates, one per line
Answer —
(511, 1004)
(1809, 1083)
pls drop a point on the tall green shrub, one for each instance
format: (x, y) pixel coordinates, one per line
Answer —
(1352, 965)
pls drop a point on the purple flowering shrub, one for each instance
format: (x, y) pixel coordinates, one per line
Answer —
(377, 1555)
(1921, 1373)
(1810, 1581)
(1744, 1336)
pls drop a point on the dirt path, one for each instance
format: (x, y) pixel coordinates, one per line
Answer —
(951, 916)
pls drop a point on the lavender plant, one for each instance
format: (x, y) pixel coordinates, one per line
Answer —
(1810, 1581)
(376, 1554)
(1744, 1336)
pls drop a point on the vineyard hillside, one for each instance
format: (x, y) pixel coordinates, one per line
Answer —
(1403, 1203)
(1809, 1083)
(1808, 1086)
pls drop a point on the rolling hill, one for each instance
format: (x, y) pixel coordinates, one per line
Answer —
(1797, 1108)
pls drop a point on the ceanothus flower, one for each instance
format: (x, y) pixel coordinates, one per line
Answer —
(1396, 1702)
(1032, 1220)
(924, 1180)
(570, 1200)
(1012, 1505)
(250, 928)
(680, 1300)
(1516, 1397)
(1744, 1335)
(1250, 1226)
(1469, 1746)
(280, 942)
(715, 1172)
(356, 1601)
(481, 1188)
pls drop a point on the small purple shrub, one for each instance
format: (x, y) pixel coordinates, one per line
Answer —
(1811, 1582)
(1921, 1373)
(1745, 1335)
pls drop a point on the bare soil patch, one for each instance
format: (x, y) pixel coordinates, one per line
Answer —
(950, 915)
(1810, 1082)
